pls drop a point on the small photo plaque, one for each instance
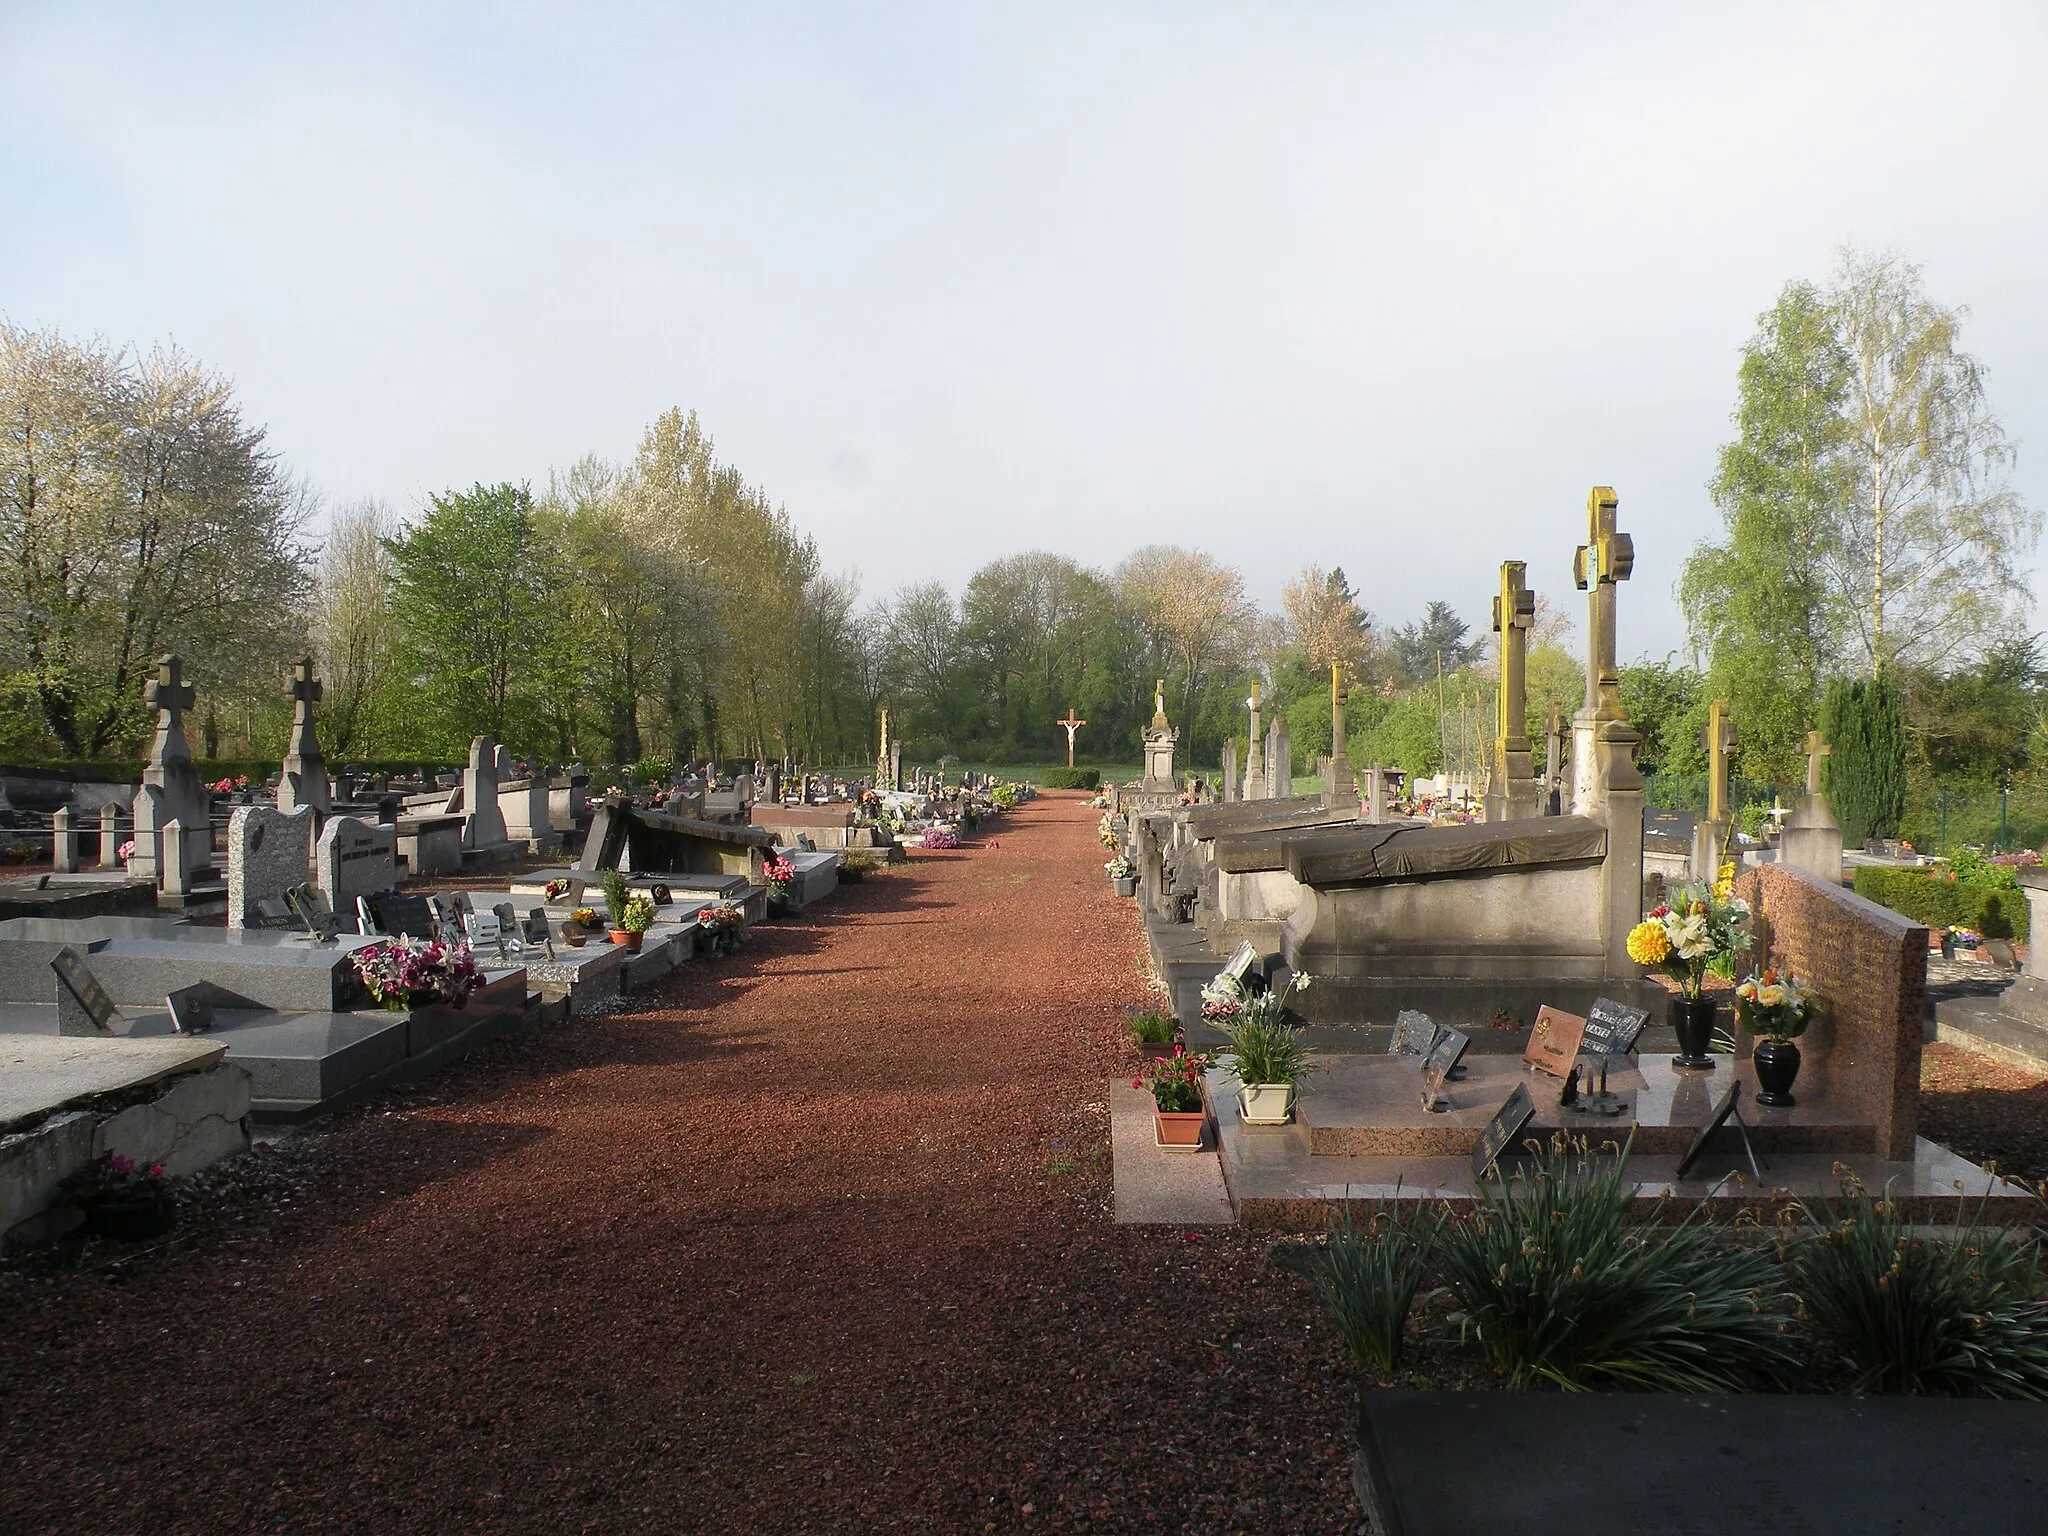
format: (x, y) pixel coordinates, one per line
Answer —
(1444, 1054)
(191, 1010)
(1502, 1131)
(1612, 1028)
(1553, 1041)
(1720, 1117)
(1414, 1033)
(660, 895)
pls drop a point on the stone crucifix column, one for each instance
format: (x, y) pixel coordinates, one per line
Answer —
(1338, 784)
(1606, 787)
(1812, 838)
(1254, 752)
(1511, 786)
(303, 780)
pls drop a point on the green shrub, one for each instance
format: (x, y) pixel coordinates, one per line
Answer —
(1920, 1316)
(615, 896)
(1556, 1288)
(1154, 1028)
(1367, 1279)
(1071, 778)
(1266, 1050)
(653, 770)
(1995, 911)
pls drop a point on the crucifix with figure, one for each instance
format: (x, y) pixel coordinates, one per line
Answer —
(1073, 723)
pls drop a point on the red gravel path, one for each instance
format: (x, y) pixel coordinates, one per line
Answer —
(819, 1241)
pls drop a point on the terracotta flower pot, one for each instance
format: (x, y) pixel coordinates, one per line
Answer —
(1182, 1129)
(629, 937)
(1157, 1050)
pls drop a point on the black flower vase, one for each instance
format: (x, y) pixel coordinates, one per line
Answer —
(1777, 1067)
(1692, 1020)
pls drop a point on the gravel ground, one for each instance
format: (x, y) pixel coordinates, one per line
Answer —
(816, 1239)
(1984, 1111)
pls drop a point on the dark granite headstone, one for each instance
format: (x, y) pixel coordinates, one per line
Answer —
(397, 913)
(1413, 1035)
(1445, 1052)
(1702, 1466)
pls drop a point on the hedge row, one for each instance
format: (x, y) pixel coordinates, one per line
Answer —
(1940, 903)
(1070, 778)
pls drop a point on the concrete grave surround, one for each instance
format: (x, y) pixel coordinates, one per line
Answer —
(354, 858)
(268, 853)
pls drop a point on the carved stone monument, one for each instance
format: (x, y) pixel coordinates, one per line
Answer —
(1073, 723)
(1338, 784)
(1713, 834)
(1159, 743)
(1812, 840)
(355, 858)
(269, 852)
(1254, 762)
(1606, 787)
(303, 781)
(1230, 780)
(483, 824)
(171, 790)
(1511, 788)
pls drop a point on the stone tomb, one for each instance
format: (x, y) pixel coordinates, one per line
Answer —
(354, 858)
(269, 852)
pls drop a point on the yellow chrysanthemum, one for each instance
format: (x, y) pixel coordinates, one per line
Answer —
(1649, 944)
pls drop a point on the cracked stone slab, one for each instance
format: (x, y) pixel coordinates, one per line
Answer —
(41, 1073)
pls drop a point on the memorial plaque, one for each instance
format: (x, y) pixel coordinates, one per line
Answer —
(484, 929)
(411, 916)
(660, 895)
(85, 988)
(191, 1012)
(310, 905)
(535, 929)
(1723, 1112)
(1242, 965)
(1502, 1131)
(1443, 1056)
(1414, 1033)
(1612, 1028)
(1553, 1041)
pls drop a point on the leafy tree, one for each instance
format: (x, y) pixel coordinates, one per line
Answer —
(1196, 608)
(1324, 621)
(1976, 724)
(1866, 772)
(1667, 704)
(1436, 645)
(468, 607)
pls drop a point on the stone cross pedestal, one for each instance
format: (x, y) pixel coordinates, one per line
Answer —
(1812, 838)
(179, 795)
(1279, 759)
(110, 838)
(1606, 785)
(1254, 762)
(1511, 785)
(1375, 794)
(303, 780)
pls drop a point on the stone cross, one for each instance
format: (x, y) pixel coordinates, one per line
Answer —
(1718, 737)
(1254, 759)
(1816, 749)
(1606, 557)
(170, 695)
(1073, 724)
(1553, 757)
(302, 778)
(882, 753)
(1512, 793)
(1337, 782)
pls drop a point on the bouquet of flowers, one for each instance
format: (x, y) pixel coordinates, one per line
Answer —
(586, 917)
(1105, 833)
(126, 851)
(1119, 868)
(724, 924)
(778, 872)
(1697, 931)
(555, 890)
(405, 972)
(1772, 1004)
(939, 837)
(1175, 1082)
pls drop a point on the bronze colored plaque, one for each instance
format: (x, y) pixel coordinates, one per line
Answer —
(1554, 1041)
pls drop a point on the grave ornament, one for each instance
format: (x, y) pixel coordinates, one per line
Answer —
(1501, 1132)
(1724, 1112)
(1445, 1052)
(83, 1006)
(1553, 1041)
(191, 1010)
(1612, 1028)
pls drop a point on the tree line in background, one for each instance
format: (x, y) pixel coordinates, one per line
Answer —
(666, 607)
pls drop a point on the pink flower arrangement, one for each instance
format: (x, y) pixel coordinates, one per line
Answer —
(126, 851)
(403, 971)
(939, 837)
(778, 872)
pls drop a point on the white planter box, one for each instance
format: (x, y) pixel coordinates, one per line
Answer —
(1266, 1103)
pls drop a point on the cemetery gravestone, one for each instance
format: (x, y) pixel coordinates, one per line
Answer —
(1612, 1028)
(63, 842)
(110, 838)
(303, 781)
(1444, 1054)
(354, 858)
(269, 852)
(483, 825)
(171, 789)
(398, 915)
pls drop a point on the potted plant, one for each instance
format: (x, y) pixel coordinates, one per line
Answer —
(1774, 1008)
(721, 927)
(1267, 1055)
(1178, 1111)
(1697, 932)
(123, 1200)
(1154, 1031)
(1122, 876)
(634, 919)
(615, 897)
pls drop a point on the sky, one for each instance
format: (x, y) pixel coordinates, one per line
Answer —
(1382, 287)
